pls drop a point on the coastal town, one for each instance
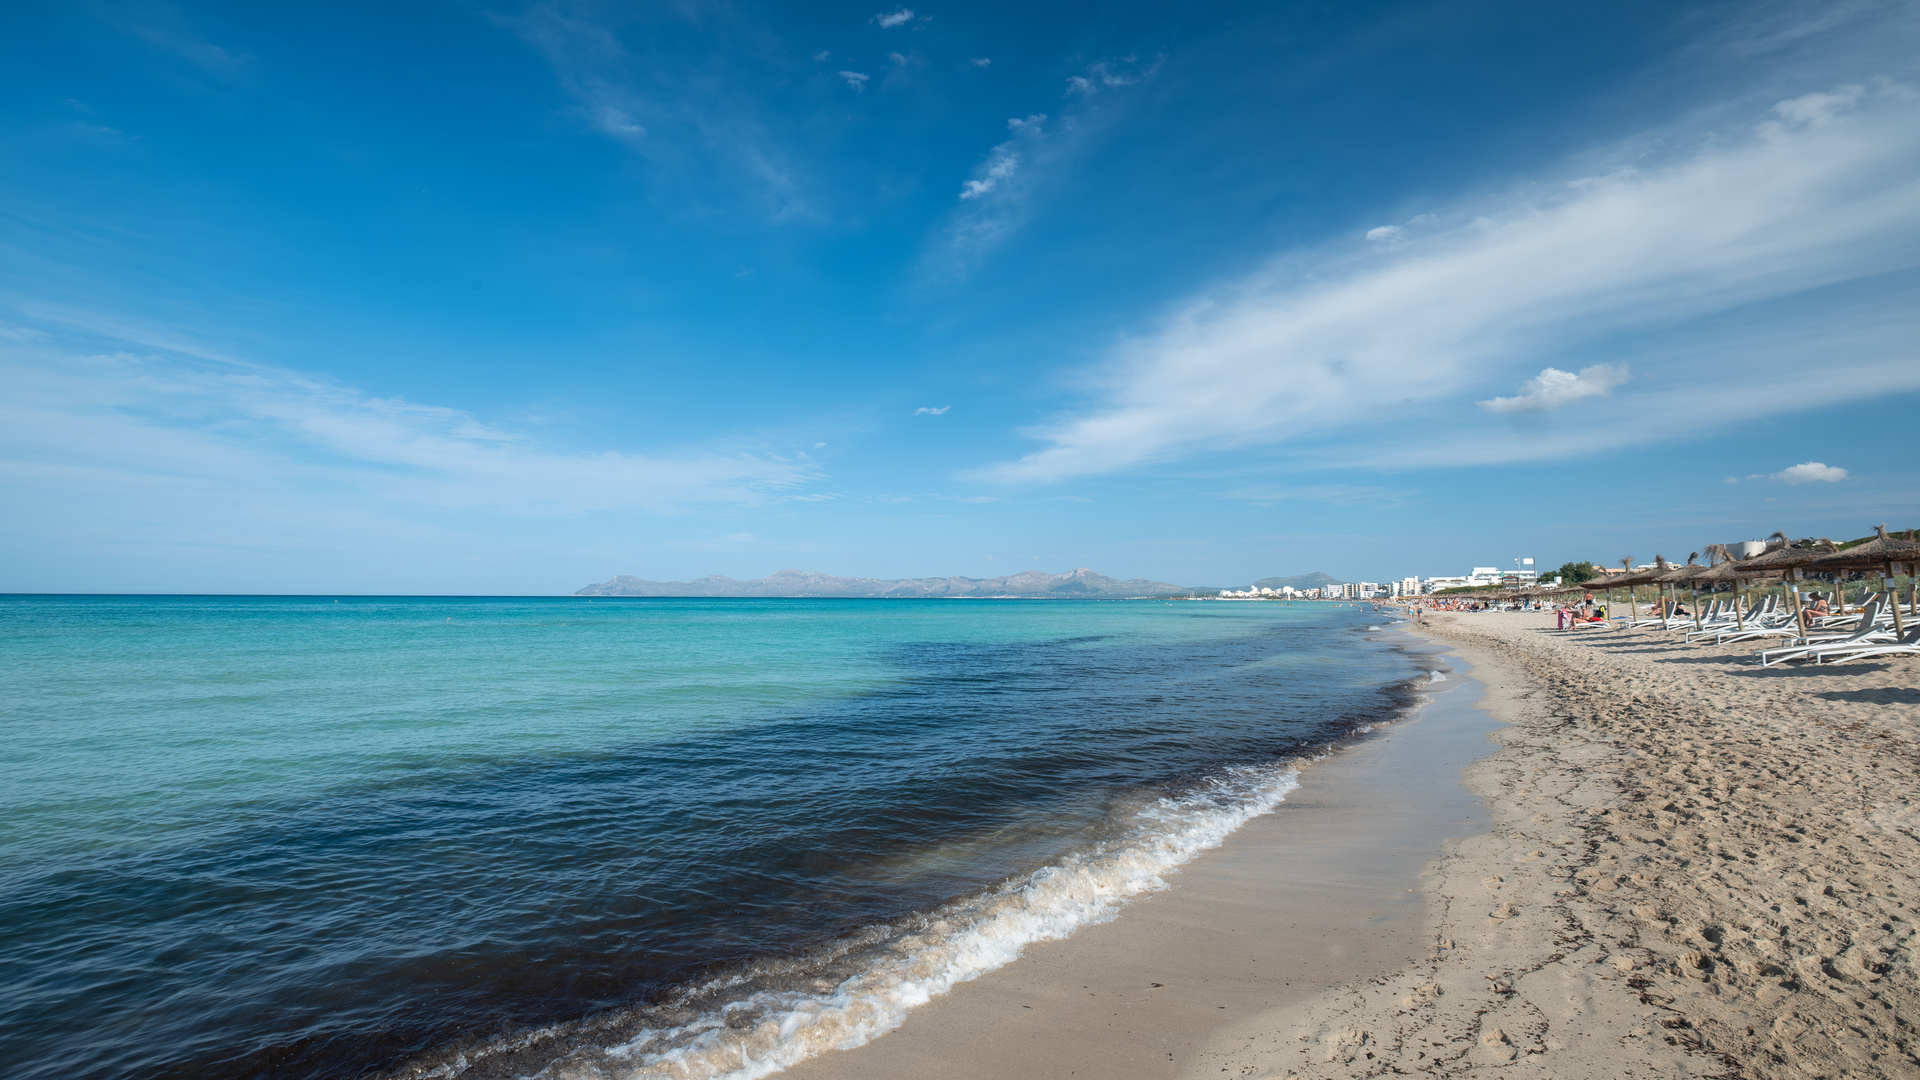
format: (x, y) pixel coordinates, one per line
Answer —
(1522, 574)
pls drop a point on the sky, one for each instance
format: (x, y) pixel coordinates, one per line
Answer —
(505, 298)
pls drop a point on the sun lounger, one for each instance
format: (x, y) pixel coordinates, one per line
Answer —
(1868, 630)
(1907, 645)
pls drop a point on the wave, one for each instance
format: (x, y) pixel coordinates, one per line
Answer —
(771, 1015)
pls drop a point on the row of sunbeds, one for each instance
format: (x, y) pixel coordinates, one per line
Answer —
(1873, 630)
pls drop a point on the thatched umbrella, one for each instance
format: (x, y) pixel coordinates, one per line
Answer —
(1688, 573)
(1783, 556)
(1633, 579)
(1729, 569)
(1879, 553)
(1657, 577)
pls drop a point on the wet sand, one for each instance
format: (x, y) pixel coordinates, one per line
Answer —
(1684, 865)
(1320, 893)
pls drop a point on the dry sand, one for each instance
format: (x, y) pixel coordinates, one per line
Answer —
(1698, 868)
(1691, 867)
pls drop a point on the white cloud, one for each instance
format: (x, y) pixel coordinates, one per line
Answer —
(1003, 161)
(822, 55)
(899, 59)
(856, 80)
(1553, 388)
(1811, 472)
(898, 18)
(928, 410)
(1113, 74)
(1825, 189)
(981, 61)
(1384, 234)
(128, 416)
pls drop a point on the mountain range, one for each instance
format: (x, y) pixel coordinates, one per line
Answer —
(1080, 583)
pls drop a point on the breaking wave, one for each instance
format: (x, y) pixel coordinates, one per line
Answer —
(771, 1015)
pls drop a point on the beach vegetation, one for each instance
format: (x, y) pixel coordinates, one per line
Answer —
(1574, 573)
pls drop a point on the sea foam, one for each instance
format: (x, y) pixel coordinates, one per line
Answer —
(743, 1036)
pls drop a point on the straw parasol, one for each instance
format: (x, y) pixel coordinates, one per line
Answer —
(1688, 573)
(1879, 553)
(1633, 579)
(1657, 577)
(1728, 570)
(1784, 557)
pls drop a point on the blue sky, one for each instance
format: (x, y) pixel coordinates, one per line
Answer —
(504, 298)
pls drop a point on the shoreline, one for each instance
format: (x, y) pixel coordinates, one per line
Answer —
(1689, 866)
(1145, 995)
(1698, 868)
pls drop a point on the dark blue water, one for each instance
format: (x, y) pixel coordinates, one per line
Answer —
(293, 838)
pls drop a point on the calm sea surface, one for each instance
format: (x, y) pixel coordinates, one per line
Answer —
(300, 837)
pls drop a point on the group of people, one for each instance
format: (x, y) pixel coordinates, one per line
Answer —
(1587, 610)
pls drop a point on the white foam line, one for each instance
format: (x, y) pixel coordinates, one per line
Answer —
(964, 940)
(1436, 676)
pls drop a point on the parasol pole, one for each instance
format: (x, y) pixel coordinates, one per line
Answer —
(1893, 593)
(1793, 589)
(1633, 593)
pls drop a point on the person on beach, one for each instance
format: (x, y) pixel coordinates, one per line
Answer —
(1818, 607)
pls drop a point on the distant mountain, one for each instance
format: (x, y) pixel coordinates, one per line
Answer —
(1298, 581)
(1081, 583)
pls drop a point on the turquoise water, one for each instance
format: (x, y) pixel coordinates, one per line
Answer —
(306, 837)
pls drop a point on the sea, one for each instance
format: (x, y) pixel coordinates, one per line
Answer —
(293, 838)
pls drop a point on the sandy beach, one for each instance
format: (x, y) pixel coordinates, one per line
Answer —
(1673, 863)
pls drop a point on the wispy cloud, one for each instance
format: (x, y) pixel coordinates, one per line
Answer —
(1811, 472)
(684, 116)
(980, 62)
(895, 18)
(1365, 495)
(996, 200)
(855, 79)
(1553, 388)
(1113, 74)
(1823, 189)
(129, 415)
(928, 410)
(1003, 161)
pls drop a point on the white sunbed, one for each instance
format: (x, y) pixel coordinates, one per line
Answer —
(1868, 629)
(1772, 621)
(1907, 644)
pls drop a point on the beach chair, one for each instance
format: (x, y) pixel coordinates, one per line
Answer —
(1869, 630)
(1907, 644)
(1772, 621)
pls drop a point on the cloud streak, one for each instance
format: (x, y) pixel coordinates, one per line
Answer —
(1823, 189)
(129, 416)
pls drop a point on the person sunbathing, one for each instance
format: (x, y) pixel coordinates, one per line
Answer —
(1818, 607)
